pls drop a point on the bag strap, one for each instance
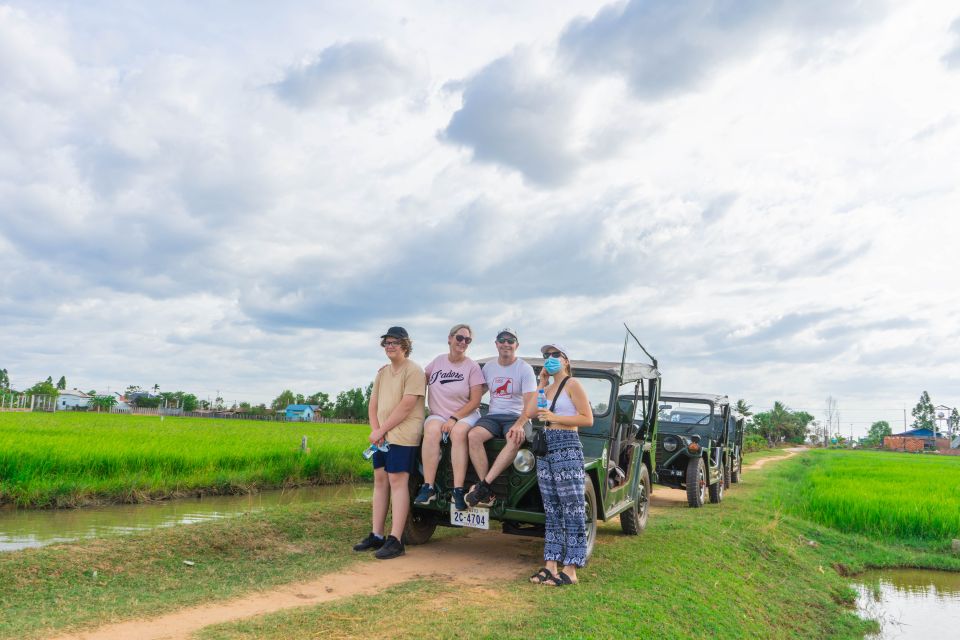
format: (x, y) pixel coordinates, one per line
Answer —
(557, 394)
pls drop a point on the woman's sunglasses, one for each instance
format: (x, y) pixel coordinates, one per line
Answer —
(552, 354)
(464, 339)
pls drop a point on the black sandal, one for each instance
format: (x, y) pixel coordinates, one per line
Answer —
(542, 576)
(559, 580)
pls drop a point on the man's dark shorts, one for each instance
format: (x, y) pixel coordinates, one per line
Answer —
(497, 423)
(398, 459)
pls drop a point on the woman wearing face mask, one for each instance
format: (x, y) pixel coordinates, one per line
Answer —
(560, 472)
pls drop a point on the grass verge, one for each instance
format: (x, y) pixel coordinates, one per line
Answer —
(71, 459)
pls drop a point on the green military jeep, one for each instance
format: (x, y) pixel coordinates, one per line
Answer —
(695, 445)
(618, 460)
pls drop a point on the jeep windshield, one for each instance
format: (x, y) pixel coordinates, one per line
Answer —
(684, 417)
(598, 392)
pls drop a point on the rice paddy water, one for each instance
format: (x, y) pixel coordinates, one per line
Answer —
(28, 528)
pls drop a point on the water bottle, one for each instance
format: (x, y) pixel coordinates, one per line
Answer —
(542, 403)
(372, 449)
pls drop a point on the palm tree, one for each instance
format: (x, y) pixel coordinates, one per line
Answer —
(743, 408)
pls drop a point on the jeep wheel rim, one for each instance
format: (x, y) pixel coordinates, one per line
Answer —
(702, 481)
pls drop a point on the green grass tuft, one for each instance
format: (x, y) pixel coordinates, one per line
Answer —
(71, 459)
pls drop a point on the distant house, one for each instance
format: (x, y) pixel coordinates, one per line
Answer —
(122, 405)
(72, 400)
(918, 433)
(300, 412)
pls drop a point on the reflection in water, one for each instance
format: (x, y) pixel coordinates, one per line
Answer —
(911, 603)
(24, 528)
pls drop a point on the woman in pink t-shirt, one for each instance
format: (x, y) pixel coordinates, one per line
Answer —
(454, 388)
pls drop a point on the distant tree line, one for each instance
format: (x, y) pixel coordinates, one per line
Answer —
(779, 424)
(352, 403)
(349, 404)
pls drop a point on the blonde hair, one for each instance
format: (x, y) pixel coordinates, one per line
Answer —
(457, 327)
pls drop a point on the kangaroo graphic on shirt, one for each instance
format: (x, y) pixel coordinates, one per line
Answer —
(505, 389)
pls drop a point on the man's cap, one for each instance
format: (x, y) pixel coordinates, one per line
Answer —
(396, 332)
(553, 346)
(512, 332)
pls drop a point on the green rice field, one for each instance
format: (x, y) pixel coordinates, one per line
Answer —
(71, 459)
(881, 494)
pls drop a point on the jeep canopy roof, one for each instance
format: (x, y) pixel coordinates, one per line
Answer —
(632, 371)
(694, 397)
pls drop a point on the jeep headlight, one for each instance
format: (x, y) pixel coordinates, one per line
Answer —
(670, 443)
(525, 461)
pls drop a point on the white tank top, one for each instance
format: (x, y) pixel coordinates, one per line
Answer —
(564, 405)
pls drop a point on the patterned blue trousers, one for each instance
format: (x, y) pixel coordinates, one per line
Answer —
(560, 475)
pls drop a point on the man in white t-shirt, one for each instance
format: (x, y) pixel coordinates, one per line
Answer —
(513, 401)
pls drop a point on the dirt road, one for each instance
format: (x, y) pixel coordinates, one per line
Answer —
(479, 558)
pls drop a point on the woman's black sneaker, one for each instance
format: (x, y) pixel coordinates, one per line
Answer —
(391, 549)
(370, 542)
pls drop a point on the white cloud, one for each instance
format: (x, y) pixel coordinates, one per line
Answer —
(356, 74)
(773, 217)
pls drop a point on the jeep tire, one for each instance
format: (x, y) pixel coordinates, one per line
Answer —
(419, 527)
(726, 475)
(634, 519)
(716, 489)
(696, 482)
(590, 515)
(735, 475)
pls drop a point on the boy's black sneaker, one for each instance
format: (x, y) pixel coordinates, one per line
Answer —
(370, 542)
(391, 549)
(481, 495)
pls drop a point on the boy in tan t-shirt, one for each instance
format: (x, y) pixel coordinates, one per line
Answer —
(396, 417)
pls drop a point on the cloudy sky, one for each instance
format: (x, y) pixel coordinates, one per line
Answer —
(242, 196)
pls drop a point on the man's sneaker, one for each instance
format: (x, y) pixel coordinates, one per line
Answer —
(458, 502)
(391, 549)
(480, 495)
(370, 542)
(426, 495)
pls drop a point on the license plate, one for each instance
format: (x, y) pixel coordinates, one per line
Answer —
(476, 517)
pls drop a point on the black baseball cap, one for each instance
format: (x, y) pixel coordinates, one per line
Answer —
(396, 332)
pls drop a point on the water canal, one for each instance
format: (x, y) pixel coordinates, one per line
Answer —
(911, 603)
(26, 528)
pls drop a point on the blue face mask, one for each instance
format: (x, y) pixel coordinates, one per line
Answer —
(552, 365)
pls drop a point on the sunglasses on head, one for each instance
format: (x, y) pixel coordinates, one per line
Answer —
(552, 354)
(507, 340)
(389, 343)
(464, 339)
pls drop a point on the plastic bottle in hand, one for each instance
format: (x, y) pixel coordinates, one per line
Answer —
(372, 449)
(542, 403)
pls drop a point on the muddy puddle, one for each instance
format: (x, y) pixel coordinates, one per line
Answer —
(911, 603)
(25, 528)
